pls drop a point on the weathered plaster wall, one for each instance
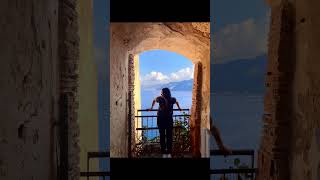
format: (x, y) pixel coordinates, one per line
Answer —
(275, 147)
(305, 155)
(189, 39)
(28, 88)
(195, 120)
(118, 97)
(291, 140)
(88, 87)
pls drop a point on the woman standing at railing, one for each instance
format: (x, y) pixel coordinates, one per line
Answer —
(165, 120)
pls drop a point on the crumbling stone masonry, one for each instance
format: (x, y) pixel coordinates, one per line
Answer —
(273, 154)
(131, 109)
(68, 67)
(195, 125)
(290, 146)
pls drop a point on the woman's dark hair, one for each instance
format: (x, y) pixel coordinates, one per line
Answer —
(166, 93)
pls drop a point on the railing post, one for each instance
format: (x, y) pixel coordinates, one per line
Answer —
(250, 171)
(176, 129)
(88, 163)
(252, 164)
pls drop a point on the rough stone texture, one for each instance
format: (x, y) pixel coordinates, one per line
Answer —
(273, 153)
(131, 106)
(189, 39)
(28, 89)
(118, 98)
(305, 154)
(68, 63)
(88, 87)
(195, 111)
(291, 138)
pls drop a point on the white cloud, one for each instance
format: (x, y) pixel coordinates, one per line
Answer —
(154, 78)
(246, 39)
(183, 74)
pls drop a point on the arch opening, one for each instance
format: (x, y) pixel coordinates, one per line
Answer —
(128, 41)
(154, 70)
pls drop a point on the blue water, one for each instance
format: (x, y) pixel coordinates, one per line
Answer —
(183, 97)
(239, 118)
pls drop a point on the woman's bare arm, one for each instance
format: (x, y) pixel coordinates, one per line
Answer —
(216, 134)
(153, 102)
(177, 103)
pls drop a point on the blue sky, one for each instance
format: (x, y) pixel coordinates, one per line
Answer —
(163, 61)
(161, 67)
(240, 30)
(235, 11)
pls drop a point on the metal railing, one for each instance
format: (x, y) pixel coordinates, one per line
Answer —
(237, 173)
(147, 133)
(88, 173)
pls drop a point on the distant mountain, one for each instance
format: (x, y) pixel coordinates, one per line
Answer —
(185, 85)
(239, 76)
(244, 75)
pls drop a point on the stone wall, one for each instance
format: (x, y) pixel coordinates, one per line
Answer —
(28, 89)
(118, 97)
(69, 78)
(273, 159)
(195, 122)
(305, 154)
(290, 144)
(131, 105)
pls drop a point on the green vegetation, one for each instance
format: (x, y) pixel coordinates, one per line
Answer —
(181, 139)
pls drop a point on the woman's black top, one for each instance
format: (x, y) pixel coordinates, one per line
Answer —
(165, 111)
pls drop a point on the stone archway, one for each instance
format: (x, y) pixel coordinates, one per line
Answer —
(133, 98)
(189, 39)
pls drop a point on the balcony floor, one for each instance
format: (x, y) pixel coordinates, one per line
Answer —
(159, 168)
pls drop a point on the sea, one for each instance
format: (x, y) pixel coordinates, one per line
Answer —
(239, 119)
(147, 96)
(237, 115)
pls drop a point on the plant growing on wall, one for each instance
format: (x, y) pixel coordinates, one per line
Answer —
(237, 165)
(181, 135)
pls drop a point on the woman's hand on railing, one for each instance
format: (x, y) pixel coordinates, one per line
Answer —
(150, 109)
(226, 151)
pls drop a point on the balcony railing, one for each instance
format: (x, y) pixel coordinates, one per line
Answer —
(240, 172)
(93, 155)
(147, 133)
